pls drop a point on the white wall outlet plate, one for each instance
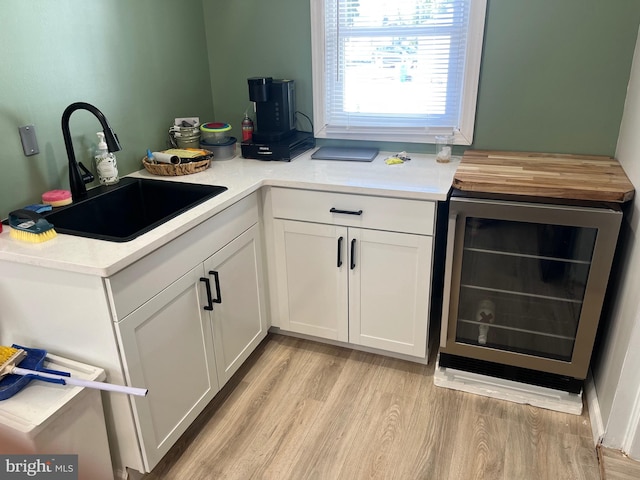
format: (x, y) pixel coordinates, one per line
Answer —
(188, 122)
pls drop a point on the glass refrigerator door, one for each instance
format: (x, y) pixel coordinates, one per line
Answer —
(522, 285)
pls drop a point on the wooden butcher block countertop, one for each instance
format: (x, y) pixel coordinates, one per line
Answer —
(576, 177)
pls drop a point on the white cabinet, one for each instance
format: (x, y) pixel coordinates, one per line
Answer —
(238, 315)
(389, 291)
(188, 315)
(311, 285)
(361, 274)
(164, 339)
(168, 348)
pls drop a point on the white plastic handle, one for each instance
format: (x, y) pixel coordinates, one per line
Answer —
(142, 392)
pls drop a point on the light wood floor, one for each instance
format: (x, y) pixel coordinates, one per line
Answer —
(304, 410)
(617, 466)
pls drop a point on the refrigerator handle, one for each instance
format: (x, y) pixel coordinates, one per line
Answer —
(448, 267)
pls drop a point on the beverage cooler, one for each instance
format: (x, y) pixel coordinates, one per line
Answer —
(524, 287)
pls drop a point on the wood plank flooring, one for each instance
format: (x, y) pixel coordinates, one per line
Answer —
(301, 410)
(617, 466)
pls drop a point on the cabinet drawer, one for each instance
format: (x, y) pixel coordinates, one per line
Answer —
(380, 213)
(137, 283)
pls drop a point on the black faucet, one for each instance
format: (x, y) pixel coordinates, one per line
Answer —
(76, 179)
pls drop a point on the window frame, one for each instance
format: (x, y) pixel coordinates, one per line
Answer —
(461, 136)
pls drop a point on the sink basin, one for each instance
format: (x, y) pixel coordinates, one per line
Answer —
(125, 211)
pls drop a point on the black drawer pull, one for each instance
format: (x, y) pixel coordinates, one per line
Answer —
(353, 254)
(209, 305)
(217, 280)
(340, 252)
(346, 212)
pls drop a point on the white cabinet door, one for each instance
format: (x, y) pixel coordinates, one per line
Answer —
(389, 290)
(311, 265)
(168, 348)
(239, 319)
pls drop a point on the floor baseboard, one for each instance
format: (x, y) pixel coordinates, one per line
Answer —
(597, 425)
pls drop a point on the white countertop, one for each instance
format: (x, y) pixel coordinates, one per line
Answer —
(421, 178)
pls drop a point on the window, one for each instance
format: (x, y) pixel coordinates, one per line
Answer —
(396, 70)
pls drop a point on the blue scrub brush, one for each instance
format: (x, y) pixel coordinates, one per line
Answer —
(29, 226)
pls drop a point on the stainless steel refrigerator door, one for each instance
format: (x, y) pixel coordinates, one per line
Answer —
(525, 282)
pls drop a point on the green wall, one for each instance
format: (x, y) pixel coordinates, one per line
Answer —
(554, 74)
(142, 63)
(553, 77)
(253, 38)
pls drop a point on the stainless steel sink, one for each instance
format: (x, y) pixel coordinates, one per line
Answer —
(125, 211)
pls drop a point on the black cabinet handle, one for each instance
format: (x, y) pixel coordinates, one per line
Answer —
(217, 280)
(346, 212)
(353, 254)
(209, 305)
(340, 252)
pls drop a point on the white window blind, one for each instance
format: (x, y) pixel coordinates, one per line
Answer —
(395, 69)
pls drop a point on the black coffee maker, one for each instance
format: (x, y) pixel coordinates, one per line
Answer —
(275, 108)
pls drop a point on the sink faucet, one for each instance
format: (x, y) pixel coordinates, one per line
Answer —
(76, 179)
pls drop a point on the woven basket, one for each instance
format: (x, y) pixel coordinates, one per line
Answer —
(168, 169)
